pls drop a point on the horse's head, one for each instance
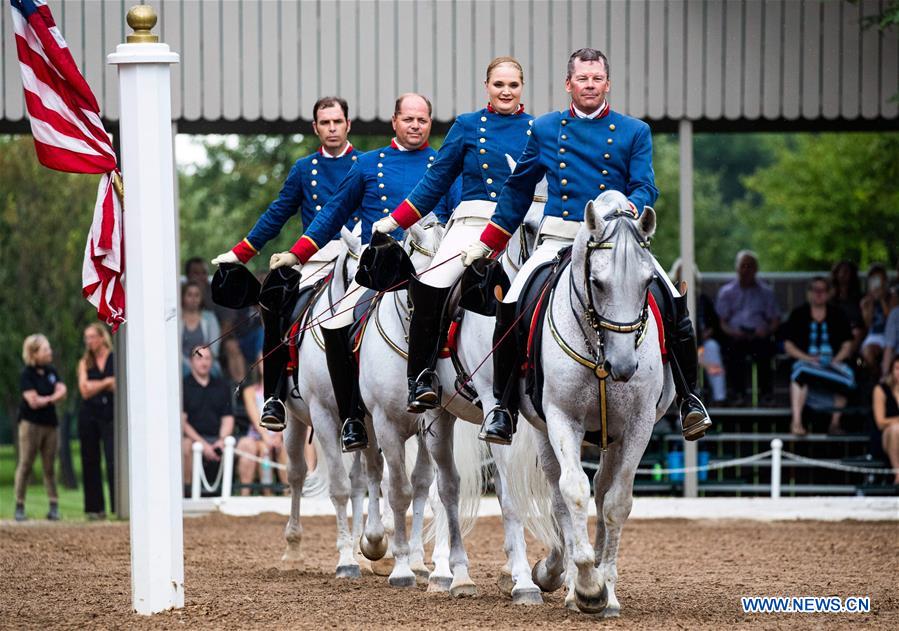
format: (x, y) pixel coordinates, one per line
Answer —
(612, 271)
(421, 243)
(348, 260)
(525, 238)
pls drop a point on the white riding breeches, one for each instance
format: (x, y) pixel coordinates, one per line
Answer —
(321, 263)
(344, 307)
(554, 235)
(464, 227)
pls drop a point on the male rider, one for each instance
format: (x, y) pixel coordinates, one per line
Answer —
(583, 151)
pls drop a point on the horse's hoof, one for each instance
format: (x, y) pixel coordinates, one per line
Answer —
(421, 573)
(373, 551)
(592, 603)
(611, 612)
(364, 565)
(348, 571)
(440, 583)
(544, 580)
(506, 583)
(527, 596)
(464, 590)
(383, 566)
(402, 581)
(289, 565)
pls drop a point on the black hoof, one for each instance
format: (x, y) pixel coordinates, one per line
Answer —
(592, 604)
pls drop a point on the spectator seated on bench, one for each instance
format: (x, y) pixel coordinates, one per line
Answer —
(749, 316)
(875, 308)
(819, 338)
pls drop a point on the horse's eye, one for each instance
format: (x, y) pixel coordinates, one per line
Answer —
(600, 286)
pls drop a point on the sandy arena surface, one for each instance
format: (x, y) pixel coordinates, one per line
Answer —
(673, 574)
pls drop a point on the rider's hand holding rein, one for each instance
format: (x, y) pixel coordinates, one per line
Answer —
(226, 257)
(283, 259)
(385, 226)
(474, 251)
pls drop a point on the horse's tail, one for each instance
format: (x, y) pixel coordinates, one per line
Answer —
(527, 487)
(469, 453)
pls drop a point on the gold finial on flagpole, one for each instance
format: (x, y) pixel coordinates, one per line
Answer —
(141, 18)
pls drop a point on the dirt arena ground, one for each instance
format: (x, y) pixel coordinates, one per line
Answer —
(673, 574)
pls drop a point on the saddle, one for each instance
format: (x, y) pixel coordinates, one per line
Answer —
(532, 304)
(366, 304)
(454, 313)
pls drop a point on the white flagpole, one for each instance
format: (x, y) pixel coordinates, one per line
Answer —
(151, 295)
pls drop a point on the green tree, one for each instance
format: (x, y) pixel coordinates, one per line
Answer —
(827, 197)
(45, 216)
(718, 232)
(221, 199)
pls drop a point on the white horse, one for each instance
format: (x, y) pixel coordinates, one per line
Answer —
(473, 343)
(316, 407)
(381, 379)
(610, 272)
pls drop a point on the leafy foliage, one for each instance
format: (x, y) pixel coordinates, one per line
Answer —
(44, 220)
(826, 197)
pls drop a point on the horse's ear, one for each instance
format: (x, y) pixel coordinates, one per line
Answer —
(590, 216)
(418, 233)
(511, 162)
(352, 243)
(647, 222)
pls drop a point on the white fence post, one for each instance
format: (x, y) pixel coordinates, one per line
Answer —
(197, 470)
(151, 292)
(228, 464)
(776, 451)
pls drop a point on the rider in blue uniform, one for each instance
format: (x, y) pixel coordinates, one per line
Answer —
(475, 148)
(378, 182)
(582, 151)
(308, 187)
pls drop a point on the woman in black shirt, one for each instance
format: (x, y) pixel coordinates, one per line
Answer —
(95, 418)
(41, 390)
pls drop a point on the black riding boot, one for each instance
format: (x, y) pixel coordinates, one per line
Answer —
(499, 423)
(427, 333)
(342, 367)
(680, 339)
(276, 356)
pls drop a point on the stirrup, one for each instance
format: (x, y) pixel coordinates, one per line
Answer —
(357, 440)
(271, 421)
(426, 400)
(490, 434)
(697, 422)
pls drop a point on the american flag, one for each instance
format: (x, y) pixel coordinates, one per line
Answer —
(69, 136)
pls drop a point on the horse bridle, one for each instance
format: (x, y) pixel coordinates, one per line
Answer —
(597, 321)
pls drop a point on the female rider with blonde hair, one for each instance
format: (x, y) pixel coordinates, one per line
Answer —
(475, 148)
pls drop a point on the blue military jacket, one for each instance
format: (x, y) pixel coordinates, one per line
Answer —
(376, 184)
(475, 147)
(581, 158)
(308, 187)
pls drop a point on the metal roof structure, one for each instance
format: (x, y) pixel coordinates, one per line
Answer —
(259, 65)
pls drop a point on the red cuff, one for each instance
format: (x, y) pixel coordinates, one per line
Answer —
(244, 251)
(406, 214)
(633, 208)
(494, 237)
(304, 248)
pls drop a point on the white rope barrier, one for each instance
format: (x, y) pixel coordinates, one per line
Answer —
(835, 466)
(724, 464)
(255, 458)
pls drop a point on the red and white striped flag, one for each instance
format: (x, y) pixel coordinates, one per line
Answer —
(69, 136)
